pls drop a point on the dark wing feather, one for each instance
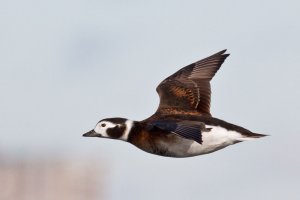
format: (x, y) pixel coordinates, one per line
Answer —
(183, 129)
(188, 90)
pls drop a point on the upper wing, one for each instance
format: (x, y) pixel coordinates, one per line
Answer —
(188, 90)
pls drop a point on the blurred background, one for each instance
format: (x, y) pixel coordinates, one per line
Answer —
(64, 65)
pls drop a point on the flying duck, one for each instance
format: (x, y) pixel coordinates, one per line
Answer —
(182, 126)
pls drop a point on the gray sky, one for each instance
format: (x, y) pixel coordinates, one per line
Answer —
(66, 64)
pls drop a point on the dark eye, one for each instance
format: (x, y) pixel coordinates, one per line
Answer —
(103, 125)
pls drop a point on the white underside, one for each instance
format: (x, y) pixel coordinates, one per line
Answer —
(213, 140)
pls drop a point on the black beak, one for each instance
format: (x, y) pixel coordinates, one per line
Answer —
(91, 133)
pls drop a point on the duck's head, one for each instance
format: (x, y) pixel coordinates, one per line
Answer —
(113, 128)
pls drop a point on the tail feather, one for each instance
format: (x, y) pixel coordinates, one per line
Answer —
(257, 135)
(251, 136)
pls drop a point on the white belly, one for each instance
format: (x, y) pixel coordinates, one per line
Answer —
(213, 140)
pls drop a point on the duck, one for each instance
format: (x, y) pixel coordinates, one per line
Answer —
(182, 125)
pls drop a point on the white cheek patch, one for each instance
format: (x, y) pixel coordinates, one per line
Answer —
(102, 129)
(97, 129)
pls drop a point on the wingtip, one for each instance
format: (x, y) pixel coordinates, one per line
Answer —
(226, 55)
(222, 53)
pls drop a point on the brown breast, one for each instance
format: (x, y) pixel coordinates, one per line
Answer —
(154, 142)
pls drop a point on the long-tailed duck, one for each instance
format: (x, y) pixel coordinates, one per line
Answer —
(182, 126)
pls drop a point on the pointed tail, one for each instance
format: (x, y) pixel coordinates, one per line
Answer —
(257, 135)
(251, 136)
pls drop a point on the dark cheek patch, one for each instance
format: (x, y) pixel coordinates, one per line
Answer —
(115, 132)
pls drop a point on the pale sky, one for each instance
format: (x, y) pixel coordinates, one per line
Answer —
(67, 64)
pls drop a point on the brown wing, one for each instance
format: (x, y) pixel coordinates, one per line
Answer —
(188, 90)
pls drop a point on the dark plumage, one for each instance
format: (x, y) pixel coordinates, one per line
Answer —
(182, 126)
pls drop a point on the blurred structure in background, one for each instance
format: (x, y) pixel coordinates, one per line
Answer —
(29, 179)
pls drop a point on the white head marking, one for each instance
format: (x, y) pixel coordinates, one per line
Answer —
(129, 125)
(110, 129)
(102, 126)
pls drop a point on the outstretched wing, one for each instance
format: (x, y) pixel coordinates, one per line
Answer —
(188, 90)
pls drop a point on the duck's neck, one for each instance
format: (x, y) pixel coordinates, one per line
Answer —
(132, 129)
(129, 124)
